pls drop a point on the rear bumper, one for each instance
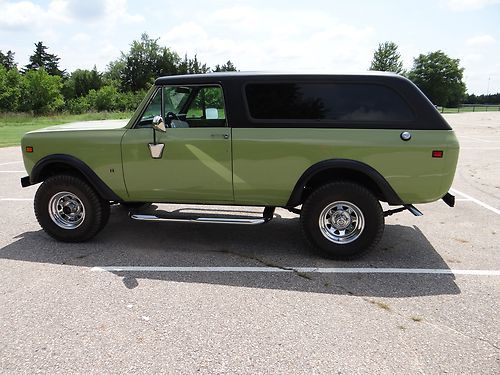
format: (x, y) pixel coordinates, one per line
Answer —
(449, 199)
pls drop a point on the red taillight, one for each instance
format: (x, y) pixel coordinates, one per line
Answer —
(437, 153)
(29, 149)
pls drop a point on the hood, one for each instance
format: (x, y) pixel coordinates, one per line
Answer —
(87, 125)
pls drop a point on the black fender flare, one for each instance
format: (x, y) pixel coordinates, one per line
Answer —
(102, 189)
(386, 189)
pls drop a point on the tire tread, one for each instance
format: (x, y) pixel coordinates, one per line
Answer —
(99, 209)
(359, 190)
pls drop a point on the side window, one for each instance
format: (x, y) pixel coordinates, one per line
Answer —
(346, 102)
(187, 107)
(206, 108)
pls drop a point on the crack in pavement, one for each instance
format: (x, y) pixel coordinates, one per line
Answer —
(265, 263)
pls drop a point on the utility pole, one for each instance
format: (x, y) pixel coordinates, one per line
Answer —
(488, 91)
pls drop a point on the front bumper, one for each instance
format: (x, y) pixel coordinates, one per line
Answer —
(25, 181)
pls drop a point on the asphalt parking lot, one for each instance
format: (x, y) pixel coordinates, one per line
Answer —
(254, 299)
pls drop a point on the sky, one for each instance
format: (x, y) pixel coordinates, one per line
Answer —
(262, 35)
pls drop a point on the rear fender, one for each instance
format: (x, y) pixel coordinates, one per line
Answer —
(336, 167)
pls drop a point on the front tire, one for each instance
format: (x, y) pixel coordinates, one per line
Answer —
(342, 220)
(69, 209)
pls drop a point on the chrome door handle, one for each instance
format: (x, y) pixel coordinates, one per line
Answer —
(225, 136)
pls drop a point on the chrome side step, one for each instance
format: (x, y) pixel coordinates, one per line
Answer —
(266, 217)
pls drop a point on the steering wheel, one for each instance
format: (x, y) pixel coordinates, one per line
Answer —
(171, 116)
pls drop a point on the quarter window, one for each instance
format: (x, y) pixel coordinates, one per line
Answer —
(152, 110)
(343, 102)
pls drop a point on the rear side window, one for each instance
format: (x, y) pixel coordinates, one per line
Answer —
(356, 102)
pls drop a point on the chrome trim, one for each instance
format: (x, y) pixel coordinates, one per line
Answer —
(66, 210)
(159, 124)
(205, 220)
(156, 150)
(341, 222)
(405, 136)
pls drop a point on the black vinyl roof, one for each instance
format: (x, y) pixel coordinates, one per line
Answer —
(427, 117)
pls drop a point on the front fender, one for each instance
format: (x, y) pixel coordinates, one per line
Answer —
(41, 171)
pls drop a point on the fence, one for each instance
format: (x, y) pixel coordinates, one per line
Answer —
(471, 108)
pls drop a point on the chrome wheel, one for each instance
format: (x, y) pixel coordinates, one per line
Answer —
(341, 222)
(66, 210)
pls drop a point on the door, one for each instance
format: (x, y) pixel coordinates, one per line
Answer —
(195, 165)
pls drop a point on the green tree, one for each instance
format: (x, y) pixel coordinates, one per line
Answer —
(168, 63)
(80, 82)
(42, 59)
(41, 92)
(439, 77)
(483, 99)
(192, 66)
(386, 58)
(145, 61)
(114, 71)
(7, 60)
(227, 67)
(10, 89)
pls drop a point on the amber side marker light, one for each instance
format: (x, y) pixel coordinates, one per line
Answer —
(437, 154)
(29, 149)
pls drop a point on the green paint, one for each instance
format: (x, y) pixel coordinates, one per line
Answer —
(253, 166)
(195, 167)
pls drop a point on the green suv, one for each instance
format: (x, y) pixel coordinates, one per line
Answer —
(327, 147)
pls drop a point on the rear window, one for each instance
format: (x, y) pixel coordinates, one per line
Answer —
(344, 102)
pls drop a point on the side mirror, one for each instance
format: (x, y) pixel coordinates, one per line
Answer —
(158, 124)
(211, 114)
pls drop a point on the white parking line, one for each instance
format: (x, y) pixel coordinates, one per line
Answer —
(477, 201)
(16, 199)
(423, 271)
(11, 162)
(12, 171)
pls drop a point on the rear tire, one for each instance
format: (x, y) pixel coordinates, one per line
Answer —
(69, 209)
(342, 220)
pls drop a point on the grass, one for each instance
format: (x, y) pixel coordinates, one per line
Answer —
(14, 125)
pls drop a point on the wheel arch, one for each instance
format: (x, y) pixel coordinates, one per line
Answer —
(342, 169)
(55, 164)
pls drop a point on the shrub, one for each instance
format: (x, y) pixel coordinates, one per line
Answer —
(10, 89)
(78, 105)
(104, 99)
(41, 92)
